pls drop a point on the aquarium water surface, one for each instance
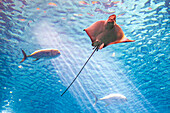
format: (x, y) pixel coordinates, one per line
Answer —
(138, 70)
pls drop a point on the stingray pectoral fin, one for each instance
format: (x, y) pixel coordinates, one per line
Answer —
(36, 59)
(121, 41)
(127, 40)
(89, 34)
(95, 29)
(116, 42)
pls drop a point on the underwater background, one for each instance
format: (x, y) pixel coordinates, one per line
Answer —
(139, 70)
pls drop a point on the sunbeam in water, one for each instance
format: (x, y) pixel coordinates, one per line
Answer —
(109, 80)
(138, 70)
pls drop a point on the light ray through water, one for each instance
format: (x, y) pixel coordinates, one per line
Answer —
(108, 83)
(48, 32)
(54, 40)
(119, 81)
(66, 80)
(65, 62)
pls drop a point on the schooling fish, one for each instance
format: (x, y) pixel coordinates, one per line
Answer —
(111, 99)
(44, 53)
(103, 33)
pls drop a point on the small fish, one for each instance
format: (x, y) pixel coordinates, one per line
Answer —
(111, 98)
(44, 53)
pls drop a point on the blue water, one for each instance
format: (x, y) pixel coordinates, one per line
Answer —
(138, 70)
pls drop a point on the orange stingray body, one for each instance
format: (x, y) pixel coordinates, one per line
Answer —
(106, 32)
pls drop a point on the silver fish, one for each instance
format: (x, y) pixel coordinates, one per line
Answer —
(44, 53)
(111, 98)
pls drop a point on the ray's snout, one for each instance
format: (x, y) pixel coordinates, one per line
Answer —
(112, 18)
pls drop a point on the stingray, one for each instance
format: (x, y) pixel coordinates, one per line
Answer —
(103, 33)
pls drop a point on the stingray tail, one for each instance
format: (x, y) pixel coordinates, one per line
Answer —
(80, 71)
(25, 56)
(96, 99)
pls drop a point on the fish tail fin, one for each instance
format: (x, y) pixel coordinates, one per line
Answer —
(25, 56)
(96, 99)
